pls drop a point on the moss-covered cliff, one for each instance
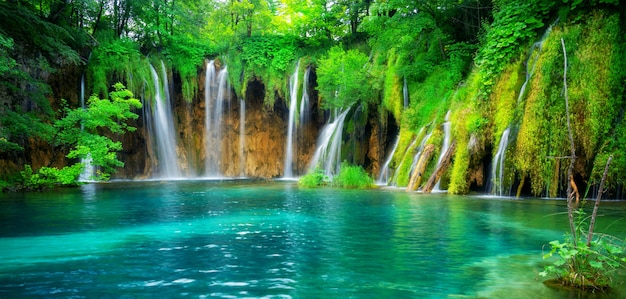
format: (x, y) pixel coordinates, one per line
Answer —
(485, 77)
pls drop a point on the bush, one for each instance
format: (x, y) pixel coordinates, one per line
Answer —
(353, 176)
(313, 179)
(587, 266)
(48, 177)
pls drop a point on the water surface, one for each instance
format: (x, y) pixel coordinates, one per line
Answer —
(245, 239)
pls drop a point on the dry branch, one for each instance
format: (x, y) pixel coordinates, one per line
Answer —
(570, 169)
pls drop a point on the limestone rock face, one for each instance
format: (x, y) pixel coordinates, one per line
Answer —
(255, 148)
(260, 154)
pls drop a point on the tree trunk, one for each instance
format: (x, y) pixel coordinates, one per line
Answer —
(520, 186)
(592, 222)
(418, 173)
(441, 168)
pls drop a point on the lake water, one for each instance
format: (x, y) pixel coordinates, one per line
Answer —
(258, 239)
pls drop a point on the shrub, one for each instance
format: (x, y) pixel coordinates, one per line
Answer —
(583, 265)
(353, 176)
(313, 179)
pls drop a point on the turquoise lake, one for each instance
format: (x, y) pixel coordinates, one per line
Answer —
(272, 239)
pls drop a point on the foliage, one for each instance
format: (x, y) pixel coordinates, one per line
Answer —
(48, 177)
(17, 127)
(352, 176)
(266, 57)
(116, 60)
(313, 179)
(7, 62)
(586, 266)
(431, 98)
(186, 55)
(79, 128)
(342, 78)
(515, 23)
(467, 123)
(543, 125)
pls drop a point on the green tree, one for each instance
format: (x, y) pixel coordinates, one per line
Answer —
(84, 133)
(342, 78)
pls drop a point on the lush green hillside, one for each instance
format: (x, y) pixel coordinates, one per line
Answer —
(408, 64)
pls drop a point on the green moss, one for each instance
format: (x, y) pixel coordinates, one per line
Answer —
(393, 99)
(462, 128)
(115, 60)
(504, 97)
(592, 98)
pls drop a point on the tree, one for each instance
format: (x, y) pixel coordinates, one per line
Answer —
(343, 78)
(85, 133)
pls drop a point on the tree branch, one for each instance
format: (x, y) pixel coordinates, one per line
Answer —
(594, 214)
(570, 169)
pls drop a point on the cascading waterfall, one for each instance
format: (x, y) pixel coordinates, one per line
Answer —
(89, 170)
(304, 102)
(405, 93)
(214, 108)
(444, 146)
(328, 152)
(531, 61)
(293, 104)
(418, 155)
(383, 175)
(497, 166)
(163, 126)
(209, 81)
(242, 137)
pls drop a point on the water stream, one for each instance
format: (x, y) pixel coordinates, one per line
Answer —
(497, 164)
(163, 127)
(216, 95)
(383, 175)
(291, 125)
(444, 146)
(327, 155)
(89, 170)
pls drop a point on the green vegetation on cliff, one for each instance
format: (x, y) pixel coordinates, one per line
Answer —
(410, 62)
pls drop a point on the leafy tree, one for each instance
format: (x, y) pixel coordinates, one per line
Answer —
(84, 132)
(342, 78)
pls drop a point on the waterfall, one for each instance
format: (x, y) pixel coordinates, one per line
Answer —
(304, 102)
(531, 61)
(293, 104)
(383, 176)
(163, 126)
(88, 171)
(328, 151)
(445, 145)
(405, 93)
(209, 80)
(418, 155)
(497, 165)
(242, 137)
(214, 108)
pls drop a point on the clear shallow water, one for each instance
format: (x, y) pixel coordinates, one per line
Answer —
(242, 239)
